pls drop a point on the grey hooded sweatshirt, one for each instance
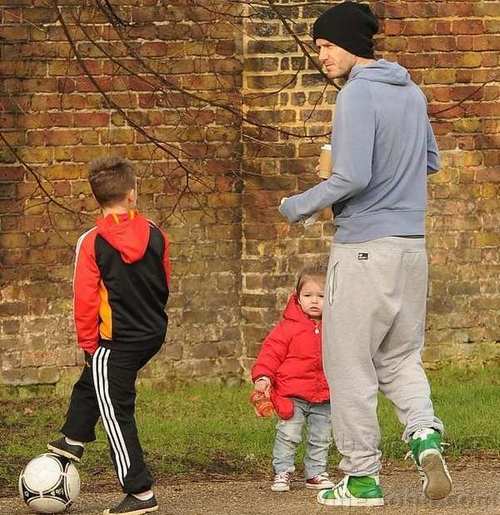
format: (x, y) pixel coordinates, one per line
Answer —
(382, 147)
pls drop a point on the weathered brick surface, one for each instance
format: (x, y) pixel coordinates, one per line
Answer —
(234, 257)
(450, 49)
(57, 120)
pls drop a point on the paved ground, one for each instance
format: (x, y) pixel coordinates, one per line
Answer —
(476, 491)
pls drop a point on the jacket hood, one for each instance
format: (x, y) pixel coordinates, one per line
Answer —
(127, 233)
(294, 312)
(382, 71)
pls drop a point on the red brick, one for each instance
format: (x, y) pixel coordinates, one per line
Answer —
(489, 59)
(390, 10)
(415, 44)
(10, 206)
(14, 32)
(443, 27)
(492, 25)
(36, 154)
(484, 109)
(419, 60)
(468, 26)
(419, 27)
(159, 49)
(39, 15)
(91, 119)
(488, 174)
(456, 9)
(77, 101)
(11, 173)
(42, 120)
(141, 84)
(461, 92)
(260, 232)
(441, 43)
(476, 76)
(84, 84)
(486, 42)
(11, 223)
(13, 241)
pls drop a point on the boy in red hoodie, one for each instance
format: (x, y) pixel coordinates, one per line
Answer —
(121, 286)
(289, 370)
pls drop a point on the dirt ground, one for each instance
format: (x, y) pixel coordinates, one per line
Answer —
(476, 491)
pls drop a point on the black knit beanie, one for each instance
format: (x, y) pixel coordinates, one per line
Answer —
(350, 26)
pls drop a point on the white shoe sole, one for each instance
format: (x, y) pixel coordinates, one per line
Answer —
(351, 502)
(280, 488)
(62, 453)
(437, 481)
(319, 487)
(142, 511)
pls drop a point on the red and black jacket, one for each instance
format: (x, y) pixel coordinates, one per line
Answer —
(122, 272)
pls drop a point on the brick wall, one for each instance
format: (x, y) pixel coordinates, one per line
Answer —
(450, 49)
(58, 121)
(234, 258)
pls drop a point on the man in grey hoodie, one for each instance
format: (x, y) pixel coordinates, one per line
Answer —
(374, 317)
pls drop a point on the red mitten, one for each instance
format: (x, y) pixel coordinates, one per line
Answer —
(283, 406)
(262, 404)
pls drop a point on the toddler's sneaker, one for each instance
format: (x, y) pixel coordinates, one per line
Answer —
(354, 491)
(426, 448)
(281, 482)
(319, 482)
(130, 505)
(63, 448)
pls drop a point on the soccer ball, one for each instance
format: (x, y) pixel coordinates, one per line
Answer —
(49, 483)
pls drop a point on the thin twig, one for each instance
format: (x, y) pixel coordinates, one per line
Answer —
(300, 43)
(38, 177)
(174, 86)
(470, 95)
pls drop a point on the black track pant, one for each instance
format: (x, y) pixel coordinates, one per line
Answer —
(106, 389)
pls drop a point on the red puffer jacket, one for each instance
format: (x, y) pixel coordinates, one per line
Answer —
(291, 357)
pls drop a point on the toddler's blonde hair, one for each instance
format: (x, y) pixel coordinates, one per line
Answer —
(313, 271)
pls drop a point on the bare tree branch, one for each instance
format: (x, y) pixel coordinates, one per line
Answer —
(459, 103)
(166, 83)
(39, 179)
(299, 42)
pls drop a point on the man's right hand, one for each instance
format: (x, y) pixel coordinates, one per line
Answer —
(317, 170)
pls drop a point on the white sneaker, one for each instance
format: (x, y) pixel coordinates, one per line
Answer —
(281, 482)
(319, 482)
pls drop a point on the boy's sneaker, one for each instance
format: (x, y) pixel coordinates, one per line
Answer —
(426, 448)
(62, 448)
(354, 491)
(319, 482)
(133, 506)
(281, 482)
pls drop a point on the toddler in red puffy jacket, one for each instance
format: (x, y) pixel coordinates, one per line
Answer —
(289, 371)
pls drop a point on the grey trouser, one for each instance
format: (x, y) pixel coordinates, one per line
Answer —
(373, 334)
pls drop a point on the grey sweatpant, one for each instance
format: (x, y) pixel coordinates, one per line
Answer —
(373, 333)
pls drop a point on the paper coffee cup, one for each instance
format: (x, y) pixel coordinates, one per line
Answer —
(325, 162)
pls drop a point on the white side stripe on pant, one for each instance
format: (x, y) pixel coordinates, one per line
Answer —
(101, 384)
(118, 429)
(104, 409)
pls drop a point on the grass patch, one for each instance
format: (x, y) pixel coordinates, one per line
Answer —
(205, 428)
